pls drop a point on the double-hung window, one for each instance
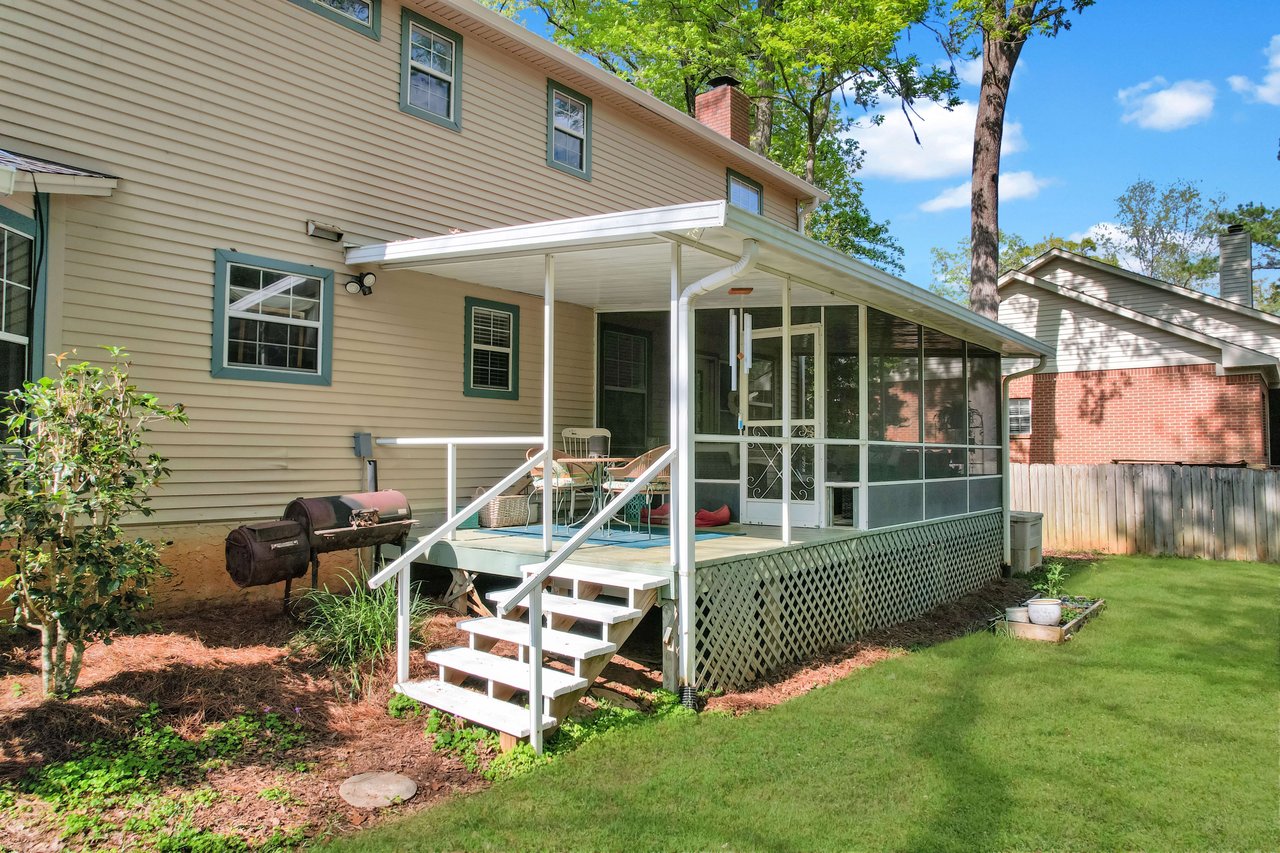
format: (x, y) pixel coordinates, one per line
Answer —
(273, 320)
(492, 350)
(363, 16)
(17, 258)
(430, 71)
(744, 193)
(568, 130)
(1019, 416)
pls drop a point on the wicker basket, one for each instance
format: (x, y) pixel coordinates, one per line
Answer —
(508, 511)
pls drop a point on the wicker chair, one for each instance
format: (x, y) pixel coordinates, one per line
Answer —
(567, 479)
(622, 476)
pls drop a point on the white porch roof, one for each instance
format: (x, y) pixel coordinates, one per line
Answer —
(622, 262)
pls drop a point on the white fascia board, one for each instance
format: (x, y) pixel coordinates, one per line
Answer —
(773, 235)
(510, 29)
(1233, 355)
(56, 184)
(1177, 290)
(584, 231)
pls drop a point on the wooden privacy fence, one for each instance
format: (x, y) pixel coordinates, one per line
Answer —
(1215, 513)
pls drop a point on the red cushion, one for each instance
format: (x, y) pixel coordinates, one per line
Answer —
(712, 518)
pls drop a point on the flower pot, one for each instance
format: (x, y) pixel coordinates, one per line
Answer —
(1044, 611)
(1016, 614)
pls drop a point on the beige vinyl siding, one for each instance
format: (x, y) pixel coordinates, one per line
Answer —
(20, 203)
(1237, 327)
(1089, 338)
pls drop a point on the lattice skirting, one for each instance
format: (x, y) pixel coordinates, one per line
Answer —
(756, 613)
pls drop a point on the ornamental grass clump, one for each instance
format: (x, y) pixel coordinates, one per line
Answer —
(77, 463)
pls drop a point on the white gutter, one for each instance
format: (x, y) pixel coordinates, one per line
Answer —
(685, 451)
(1005, 382)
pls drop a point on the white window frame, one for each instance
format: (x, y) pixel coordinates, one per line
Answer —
(451, 78)
(511, 391)
(584, 104)
(6, 283)
(1019, 416)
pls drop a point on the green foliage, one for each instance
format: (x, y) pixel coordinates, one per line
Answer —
(1052, 579)
(1170, 232)
(1263, 224)
(401, 706)
(355, 631)
(81, 465)
(278, 794)
(469, 744)
(951, 268)
(131, 774)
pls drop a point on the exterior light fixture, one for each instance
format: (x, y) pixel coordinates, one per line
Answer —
(331, 233)
(362, 284)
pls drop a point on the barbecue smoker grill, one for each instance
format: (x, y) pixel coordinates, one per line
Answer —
(268, 552)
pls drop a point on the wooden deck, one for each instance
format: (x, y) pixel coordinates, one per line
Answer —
(485, 551)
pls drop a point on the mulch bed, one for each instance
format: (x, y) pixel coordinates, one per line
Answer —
(209, 666)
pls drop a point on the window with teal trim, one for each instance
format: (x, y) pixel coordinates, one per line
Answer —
(743, 192)
(273, 320)
(491, 352)
(17, 259)
(568, 130)
(430, 71)
(363, 16)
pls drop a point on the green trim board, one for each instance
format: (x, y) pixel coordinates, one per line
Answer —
(730, 176)
(453, 121)
(585, 171)
(328, 9)
(38, 231)
(513, 393)
(223, 258)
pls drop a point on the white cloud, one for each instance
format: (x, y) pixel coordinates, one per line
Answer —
(970, 71)
(945, 149)
(1013, 186)
(1268, 91)
(1158, 104)
(1110, 235)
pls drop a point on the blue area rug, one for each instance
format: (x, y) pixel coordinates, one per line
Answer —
(618, 536)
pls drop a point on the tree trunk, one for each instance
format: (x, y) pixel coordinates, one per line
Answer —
(47, 641)
(998, 60)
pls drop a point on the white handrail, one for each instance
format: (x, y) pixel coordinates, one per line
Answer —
(425, 544)
(462, 441)
(585, 532)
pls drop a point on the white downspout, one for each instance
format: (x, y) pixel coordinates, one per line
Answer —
(684, 444)
(1004, 432)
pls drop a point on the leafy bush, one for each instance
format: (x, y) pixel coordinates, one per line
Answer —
(1054, 579)
(355, 631)
(400, 706)
(80, 464)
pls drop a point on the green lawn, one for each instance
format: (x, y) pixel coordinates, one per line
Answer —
(1155, 729)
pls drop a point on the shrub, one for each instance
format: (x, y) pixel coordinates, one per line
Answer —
(79, 464)
(355, 631)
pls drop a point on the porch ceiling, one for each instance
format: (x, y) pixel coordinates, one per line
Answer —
(622, 261)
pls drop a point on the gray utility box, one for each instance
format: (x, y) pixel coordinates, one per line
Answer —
(1024, 536)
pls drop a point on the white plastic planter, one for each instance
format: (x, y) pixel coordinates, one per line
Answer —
(1016, 614)
(1044, 611)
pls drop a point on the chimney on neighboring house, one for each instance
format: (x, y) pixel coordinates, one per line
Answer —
(726, 109)
(1235, 266)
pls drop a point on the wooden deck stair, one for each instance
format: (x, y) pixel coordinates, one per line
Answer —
(589, 613)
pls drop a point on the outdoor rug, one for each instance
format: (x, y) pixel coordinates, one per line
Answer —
(620, 537)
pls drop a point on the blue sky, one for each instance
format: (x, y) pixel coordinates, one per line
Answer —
(1157, 89)
(1134, 89)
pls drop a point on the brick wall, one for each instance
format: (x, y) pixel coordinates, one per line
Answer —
(1167, 414)
(727, 111)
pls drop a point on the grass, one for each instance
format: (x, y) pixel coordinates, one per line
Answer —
(1153, 729)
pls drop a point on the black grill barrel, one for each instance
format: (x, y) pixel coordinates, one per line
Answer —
(343, 522)
(267, 552)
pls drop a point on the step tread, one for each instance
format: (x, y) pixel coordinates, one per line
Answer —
(556, 642)
(579, 608)
(477, 707)
(607, 577)
(508, 671)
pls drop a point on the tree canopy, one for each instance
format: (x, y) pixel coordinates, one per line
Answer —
(951, 268)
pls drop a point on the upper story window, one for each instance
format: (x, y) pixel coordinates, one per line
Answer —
(430, 71)
(491, 358)
(273, 320)
(363, 16)
(568, 130)
(17, 254)
(1019, 416)
(745, 193)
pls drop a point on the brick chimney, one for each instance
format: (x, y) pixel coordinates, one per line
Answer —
(1235, 266)
(726, 109)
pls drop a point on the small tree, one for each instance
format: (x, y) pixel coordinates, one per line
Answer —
(77, 463)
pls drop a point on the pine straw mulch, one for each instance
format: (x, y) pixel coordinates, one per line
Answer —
(210, 666)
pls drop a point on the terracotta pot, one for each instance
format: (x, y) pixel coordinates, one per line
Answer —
(1045, 611)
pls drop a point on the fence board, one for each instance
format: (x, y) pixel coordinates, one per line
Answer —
(1215, 513)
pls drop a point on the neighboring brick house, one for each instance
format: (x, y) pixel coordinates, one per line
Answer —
(1145, 370)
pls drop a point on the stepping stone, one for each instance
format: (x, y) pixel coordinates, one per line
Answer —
(377, 790)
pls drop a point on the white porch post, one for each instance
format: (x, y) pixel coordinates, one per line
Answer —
(787, 391)
(681, 516)
(864, 428)
(674, 521)
(548, 406)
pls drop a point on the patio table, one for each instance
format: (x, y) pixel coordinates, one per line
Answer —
(596, 465)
